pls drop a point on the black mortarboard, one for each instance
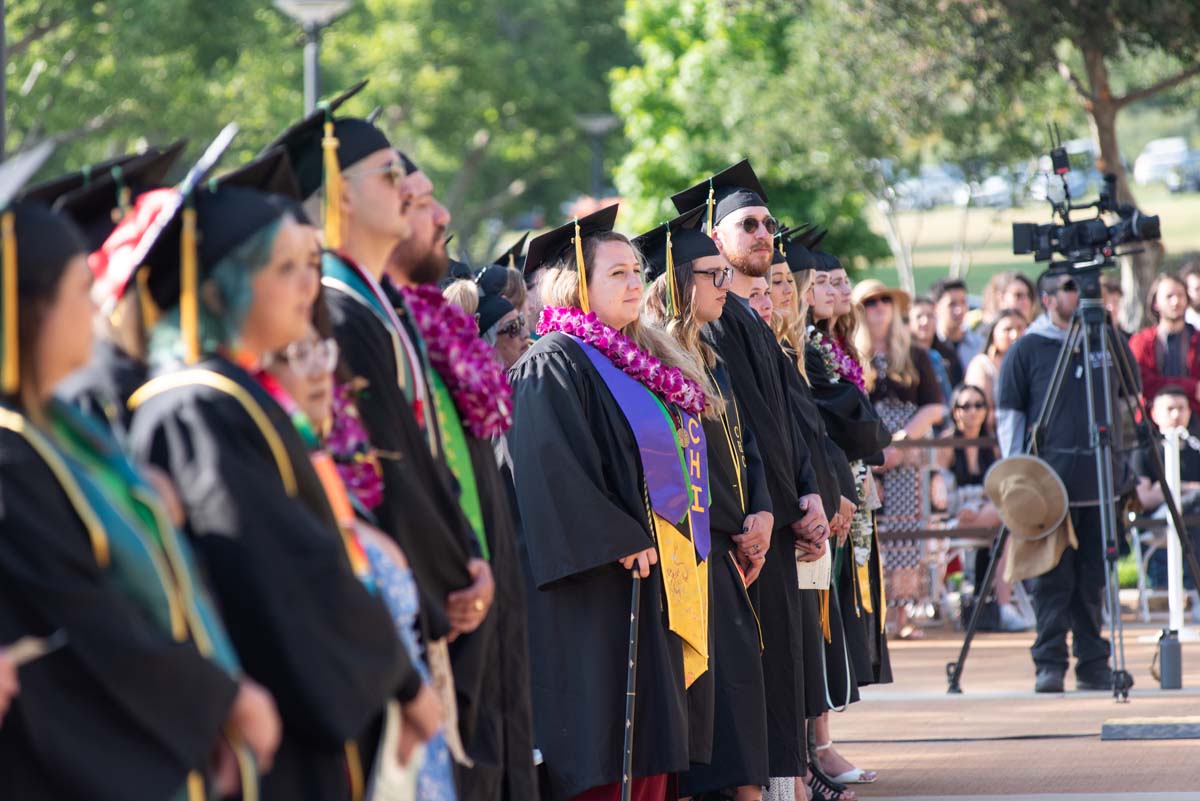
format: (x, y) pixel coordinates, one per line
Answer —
(48, 191)
(492, 281)
(512, 257)
(812, 238)
(797, 255)
(270, 171)
(724, 193)
(826, 262)
(687, 243)
(100, 205)
(14, 172)
(552, 246)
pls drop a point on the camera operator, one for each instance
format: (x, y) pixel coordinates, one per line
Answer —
(1069, 596)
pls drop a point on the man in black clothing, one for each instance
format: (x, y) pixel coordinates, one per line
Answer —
(1068, 597)
(956, 343)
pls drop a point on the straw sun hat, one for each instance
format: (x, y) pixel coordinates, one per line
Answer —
(1032, 502)
(874, 288)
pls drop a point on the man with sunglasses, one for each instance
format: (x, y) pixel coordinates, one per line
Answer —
(1068, 597)
(738, 220)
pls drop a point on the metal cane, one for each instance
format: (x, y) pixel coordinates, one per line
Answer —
(635, 603)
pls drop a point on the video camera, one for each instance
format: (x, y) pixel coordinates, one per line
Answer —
(1089, 242)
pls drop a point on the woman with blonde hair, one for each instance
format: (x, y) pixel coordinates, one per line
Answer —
(600, 406)
(686, 294)
(902, 385)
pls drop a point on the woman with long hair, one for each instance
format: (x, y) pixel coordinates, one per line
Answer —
(900, 380)
(606, 418)
(236, 272)
(984, 369)
(95, 580)
(682, 298)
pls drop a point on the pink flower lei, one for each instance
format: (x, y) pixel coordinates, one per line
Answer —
(669, 383)
(466, 363)
(841, 363)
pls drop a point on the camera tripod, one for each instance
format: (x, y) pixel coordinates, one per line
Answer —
(1094, 334)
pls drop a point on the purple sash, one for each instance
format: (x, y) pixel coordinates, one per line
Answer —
(676, 477)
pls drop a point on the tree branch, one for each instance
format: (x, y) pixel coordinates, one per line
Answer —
(1154, 88)
(1070, 77)
(39, 31)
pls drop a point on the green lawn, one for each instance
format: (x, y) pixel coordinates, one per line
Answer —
(989, 237)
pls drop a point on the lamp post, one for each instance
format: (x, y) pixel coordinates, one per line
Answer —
(313, 16)
(597, 126)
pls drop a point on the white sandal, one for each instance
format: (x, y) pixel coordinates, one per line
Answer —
(852, 776)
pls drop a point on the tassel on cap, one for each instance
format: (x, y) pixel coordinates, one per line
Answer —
(582, 268)
(672, 300)
(11, 373)
(189, 319)
(712, 204)
(333, 188)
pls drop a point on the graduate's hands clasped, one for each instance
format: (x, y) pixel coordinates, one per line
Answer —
(641, 561)
(811, 530)
(256, 718)
(467, 607)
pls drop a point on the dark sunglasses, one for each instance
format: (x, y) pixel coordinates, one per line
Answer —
(1068, 286)
(976, 406)
(719, 277)
(514, 328)
(750, 224)
(870, 303)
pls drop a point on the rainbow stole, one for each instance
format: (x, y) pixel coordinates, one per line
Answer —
(676, 472)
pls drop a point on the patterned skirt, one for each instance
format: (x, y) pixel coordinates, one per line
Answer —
(907, 583)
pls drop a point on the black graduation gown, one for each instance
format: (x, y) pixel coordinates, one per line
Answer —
(102, 388)
(303, 624)
(825, 670)
(122, 710)
(739, 746)
(579, 489)
(852, 422)
(752, 356)
(502, 746)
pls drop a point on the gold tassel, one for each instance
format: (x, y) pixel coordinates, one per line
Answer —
(672, 300)
(146, 301)
(11, 376)
(512, 261)
(333, 189)
(582, 268)
(825, 615)
(711, 205)
(189, 320)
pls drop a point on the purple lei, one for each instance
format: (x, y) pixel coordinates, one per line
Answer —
(669, 383)
(351, 449)
(838, 360)
(466, 363)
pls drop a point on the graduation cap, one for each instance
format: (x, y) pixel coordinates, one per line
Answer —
(320, 146)
(734, 188)
(270, 171)
(492, 281)
(798, 256)
(677, 241)
(14, 172)
(512, 257)
(552, 246)
(47, 192)
(100, 205)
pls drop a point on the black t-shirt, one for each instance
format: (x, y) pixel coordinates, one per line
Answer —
(924, 391)
(1189, 458)
(1025, 377)
(955, 369)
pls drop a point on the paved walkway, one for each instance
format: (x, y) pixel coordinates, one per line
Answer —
(1000, 740)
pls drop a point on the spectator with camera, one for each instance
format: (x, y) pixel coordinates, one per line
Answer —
(1168, 351)
(1067, 597)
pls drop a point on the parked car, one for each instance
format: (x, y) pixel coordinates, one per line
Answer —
(1083, 179)
(1159, 158)
(1186, 176)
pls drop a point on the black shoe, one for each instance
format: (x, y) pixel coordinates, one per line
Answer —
(1048, 681)
(1099, 680)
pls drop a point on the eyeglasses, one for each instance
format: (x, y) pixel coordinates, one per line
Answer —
(750, 224)
(393, 171)
(719, 277)
(871, 303)
(976, 406)
(514, 328)
(310, 359)
(1068, 286)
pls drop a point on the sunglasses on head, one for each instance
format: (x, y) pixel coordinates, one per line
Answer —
(513, 328)
(870, 303)
(976, 406)
(750, 224)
